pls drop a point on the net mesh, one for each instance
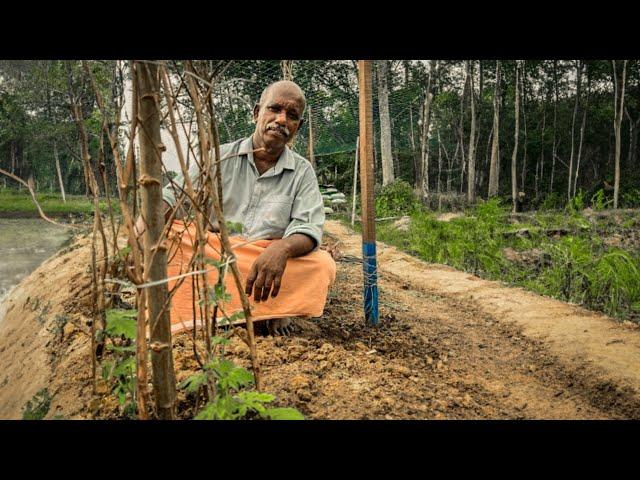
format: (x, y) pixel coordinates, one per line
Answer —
(331, 90)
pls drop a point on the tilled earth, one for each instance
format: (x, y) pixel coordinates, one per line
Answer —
(434, 355)
(431, 357)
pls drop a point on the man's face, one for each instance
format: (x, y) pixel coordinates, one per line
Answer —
(278, 118)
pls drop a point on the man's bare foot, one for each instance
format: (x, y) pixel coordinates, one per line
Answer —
(281, 326)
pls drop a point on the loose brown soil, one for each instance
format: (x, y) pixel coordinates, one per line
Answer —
(449, 345)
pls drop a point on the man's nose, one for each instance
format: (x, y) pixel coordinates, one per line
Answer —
(281, 117)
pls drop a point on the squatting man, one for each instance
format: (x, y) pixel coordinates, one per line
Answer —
(273, 192)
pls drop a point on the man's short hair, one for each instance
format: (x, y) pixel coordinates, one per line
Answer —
(290, 84)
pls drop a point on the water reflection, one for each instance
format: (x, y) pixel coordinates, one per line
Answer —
(24, 244)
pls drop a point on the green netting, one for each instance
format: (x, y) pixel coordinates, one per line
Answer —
(331, 89)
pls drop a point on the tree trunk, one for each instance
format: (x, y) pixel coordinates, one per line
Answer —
(523, 95)
(540, 169)
(424, 138)
(438, 184)
(633, 127)
(55, 155)
(619, 109)
(573, 127)
(582, 129)
(412, 139)
(478, 115)
(385, 122)
(471, 178)
(463, 156)
(555, 122)
(494, 167)
(514, 156)
(155, 255)
(450, 166)
(13, 156)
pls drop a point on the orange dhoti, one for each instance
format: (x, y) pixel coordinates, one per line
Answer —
(303, 291)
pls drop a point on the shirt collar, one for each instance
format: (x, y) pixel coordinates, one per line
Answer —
(285, 160)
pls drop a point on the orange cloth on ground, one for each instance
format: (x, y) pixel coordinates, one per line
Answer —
(303, 291)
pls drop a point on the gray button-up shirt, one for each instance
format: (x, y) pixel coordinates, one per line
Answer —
(282, 201)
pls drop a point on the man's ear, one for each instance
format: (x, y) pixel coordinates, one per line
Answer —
(256, 110)
(301, 123)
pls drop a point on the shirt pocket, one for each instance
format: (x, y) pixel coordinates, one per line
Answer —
(275, 213)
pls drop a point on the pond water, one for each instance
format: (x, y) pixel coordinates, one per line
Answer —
(24, 244)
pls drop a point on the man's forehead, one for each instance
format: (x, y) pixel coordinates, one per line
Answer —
(284, 93)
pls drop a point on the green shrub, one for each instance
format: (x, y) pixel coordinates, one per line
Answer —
(576, 204)
(576, 268)
(395, 199)
(552, 201)
(631, 199)
(599, 202)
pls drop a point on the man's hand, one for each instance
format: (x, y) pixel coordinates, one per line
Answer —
(266, 272)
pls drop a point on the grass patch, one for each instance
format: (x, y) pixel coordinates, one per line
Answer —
(560, 254)
(20, 202)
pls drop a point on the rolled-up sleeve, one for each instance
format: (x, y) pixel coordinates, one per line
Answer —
(307, 211)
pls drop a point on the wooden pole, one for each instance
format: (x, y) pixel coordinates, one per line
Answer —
(355, 183)
(155, 265)
(367, 194)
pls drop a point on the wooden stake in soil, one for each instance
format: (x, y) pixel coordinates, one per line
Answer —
(155, 253)
(369, 263)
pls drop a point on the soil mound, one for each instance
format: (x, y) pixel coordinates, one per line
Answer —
(449, 345)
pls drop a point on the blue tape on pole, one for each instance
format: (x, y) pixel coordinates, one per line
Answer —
(370, 268)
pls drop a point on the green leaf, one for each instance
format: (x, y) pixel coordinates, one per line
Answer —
(124, 251)
(283, 414)
(193, 383)
(229, 375)
(254, 401)
(125, 368)
(211, 261)
(234, 227)
(122, 323)
(219, 341)
(106, 370)
(239, 378)
(235, 316)
(119, 349)
(222, 409)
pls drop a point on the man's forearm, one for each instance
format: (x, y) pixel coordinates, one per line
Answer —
(297, 245)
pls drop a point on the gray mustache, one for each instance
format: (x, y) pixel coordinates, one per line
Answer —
(283, 130)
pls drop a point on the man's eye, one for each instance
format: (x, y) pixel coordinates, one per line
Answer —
(274, 109)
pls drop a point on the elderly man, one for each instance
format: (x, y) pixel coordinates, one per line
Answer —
(273, 192)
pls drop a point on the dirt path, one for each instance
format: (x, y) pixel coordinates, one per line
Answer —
(449, 345)
(538, 357)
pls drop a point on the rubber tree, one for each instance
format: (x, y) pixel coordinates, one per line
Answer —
(618, 85)
(514, 155)
(471, 179)
(385, 121)
(573, 127)
(494, 166)
(426, 123)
